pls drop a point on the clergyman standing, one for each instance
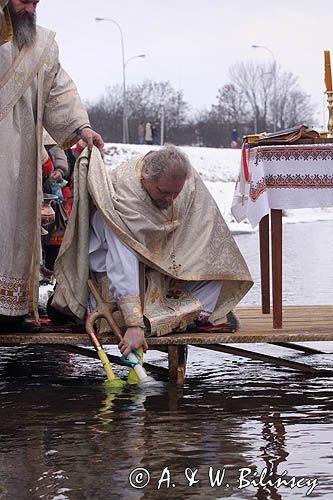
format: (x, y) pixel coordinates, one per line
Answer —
(35, 91)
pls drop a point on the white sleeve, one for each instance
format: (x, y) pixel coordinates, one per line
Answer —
(122, 267)
(97, 247)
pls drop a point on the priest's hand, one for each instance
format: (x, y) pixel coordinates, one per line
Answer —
(91, 138)
(133, 339)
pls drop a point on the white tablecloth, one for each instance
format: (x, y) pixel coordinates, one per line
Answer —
(284, 177)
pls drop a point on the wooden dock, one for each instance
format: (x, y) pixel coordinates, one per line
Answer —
(301, 324)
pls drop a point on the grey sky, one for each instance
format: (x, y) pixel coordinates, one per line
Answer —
(191, 43)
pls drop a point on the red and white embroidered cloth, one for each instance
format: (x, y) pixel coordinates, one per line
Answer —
(282, 177)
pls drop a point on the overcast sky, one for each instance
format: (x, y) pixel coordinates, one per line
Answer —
(191, 43)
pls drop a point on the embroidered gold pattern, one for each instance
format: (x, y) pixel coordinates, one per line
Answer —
(171, 310)
(14, 295)
(154, 295)
(174, 268)
(131, 310)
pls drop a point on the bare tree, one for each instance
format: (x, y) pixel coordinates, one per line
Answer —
(256, 96)
(231, 106)
(256, 82)
(106, 114)
(147, 100)
(249, 80)
(293, 106)
(144, 103)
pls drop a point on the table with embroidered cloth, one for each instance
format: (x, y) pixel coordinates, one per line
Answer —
(272, 179)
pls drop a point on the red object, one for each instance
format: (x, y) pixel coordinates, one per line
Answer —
(66, 192)
(47, 168)
(77, 149)
(245, 165)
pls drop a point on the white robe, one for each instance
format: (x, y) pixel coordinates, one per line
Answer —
(108, 255)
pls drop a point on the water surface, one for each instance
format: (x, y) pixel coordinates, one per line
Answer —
(65, 435)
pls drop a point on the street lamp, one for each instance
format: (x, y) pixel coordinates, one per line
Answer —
(124, 63)
(274, 81)
(125, 115)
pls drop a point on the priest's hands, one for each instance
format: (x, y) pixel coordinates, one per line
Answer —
(91, 138)
(133, 339)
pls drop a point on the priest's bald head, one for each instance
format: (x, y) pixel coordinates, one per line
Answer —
(23, 16)
(164, 173)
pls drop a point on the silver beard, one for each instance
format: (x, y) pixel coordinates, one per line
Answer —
(24, 28)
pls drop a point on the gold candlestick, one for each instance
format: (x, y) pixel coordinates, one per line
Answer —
(329, 90)
(330, 113)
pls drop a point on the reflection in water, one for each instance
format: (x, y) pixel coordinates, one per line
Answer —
(273, 453)
(65, 435)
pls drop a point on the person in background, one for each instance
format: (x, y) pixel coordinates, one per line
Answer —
(58, 184)
(148, 133)
(156, 133)
(234, 139)
(141, 133)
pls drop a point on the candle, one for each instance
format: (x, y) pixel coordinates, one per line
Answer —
(328, 72)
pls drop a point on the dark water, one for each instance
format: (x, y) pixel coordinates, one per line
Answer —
(65, 435)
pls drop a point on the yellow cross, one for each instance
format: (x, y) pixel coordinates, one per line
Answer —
(154, 295)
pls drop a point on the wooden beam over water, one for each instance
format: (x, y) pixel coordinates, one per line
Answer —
(294, 365)
(301, 324)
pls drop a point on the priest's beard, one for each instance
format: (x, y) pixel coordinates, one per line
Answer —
(24, 27)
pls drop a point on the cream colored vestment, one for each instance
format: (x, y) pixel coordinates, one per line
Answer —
(35, 91)
(189, 241)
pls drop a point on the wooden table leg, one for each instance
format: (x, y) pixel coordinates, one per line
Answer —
(264, 263)
(276, 235)
(177, 356)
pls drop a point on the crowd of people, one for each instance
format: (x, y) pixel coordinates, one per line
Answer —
(57, 170)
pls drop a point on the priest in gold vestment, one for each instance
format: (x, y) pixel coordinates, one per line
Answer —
(35, 91)
(154, 210)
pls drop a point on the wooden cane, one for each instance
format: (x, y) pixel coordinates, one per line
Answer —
(104, 310)
(99, 312)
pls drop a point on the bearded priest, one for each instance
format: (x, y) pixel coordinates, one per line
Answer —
(35, 92)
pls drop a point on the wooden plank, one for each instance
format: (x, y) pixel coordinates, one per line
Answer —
(276, 236)
(267, 359)
(177, 357)
(83, 351)
(297, 347)
(264, 264)
(255, 327)
(179, 339)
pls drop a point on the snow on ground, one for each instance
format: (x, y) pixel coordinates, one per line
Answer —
(213, 164)
(219, 169)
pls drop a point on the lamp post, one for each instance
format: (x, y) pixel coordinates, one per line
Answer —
(125, 115)
(274, 81)
(124, 63)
